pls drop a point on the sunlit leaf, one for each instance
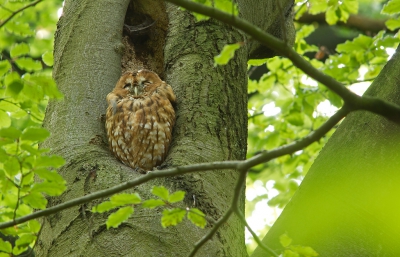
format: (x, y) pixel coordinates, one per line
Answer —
(48, 58)
(19, 49)
(25, 240)
(5, 120)
(197, 217)
(115, 219)
(35, 200)
(28, 64)
(391, 7)
(4, 67)
(393, 24)
(153, 203)
(12, 166)
(50, 161)
(5, 246)
(49, 175)
(49, 188)
(122, 199)
(227, 53)
(161, 192)
(35, 134)
(103, 207)
(172, 217)
(285, 240)
(176, 197)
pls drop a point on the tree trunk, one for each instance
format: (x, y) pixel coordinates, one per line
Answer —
(211, 125)
(348, 203)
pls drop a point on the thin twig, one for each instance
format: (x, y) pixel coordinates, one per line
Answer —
(18, 11)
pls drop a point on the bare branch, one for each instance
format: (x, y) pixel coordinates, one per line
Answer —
(18, 11)
(359, 22)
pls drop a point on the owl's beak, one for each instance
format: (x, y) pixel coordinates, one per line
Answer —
(135, 90)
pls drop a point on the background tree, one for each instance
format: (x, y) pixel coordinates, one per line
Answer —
(210, 127)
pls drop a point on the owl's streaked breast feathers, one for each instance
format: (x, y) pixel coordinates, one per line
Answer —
(140, 118)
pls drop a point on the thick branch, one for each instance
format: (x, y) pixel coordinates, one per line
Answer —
(358, 22)
(233, 165)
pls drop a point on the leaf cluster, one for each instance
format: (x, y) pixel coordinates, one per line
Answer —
(26, 85)
(171, 216)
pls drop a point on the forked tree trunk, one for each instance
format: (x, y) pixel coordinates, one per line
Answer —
(211, 123)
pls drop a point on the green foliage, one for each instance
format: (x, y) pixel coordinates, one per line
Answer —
(392, 7)
(170, 217)
(26, 86)
(295, 250)
(228, 6)
(227, 53)
(285, 104)
(335, 10)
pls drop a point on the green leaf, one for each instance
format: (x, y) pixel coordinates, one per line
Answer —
(172, 217)
(295, 118)
(35, 134)
(47, 58)
(115, 219)
(304, 250)
(19, 28)
(331, 16)
(11, 166)
(285, 240)
(103, 207)
(161, 192)
(35, 200)
(34, 226)
(176, 197)
(28, 64)
(5, 246)
(317, 6)
(290, 253)
(350, 6)
(5, 120)
(227, 53)
(25, 240)
(122, 199)
(14, 88)
(49, 188)
(257, 62)
(50, 161)
(19, 49)
(152, 203)
(392, 24)
(392, 7)
(197, 217)
(4, 67)
(49, 175)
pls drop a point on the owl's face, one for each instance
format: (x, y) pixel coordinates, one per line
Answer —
(136, 84)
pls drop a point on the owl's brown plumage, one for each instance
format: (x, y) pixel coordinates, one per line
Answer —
(140, 118)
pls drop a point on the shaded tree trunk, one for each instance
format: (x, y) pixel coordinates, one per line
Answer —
(348, 203)
(211, 124)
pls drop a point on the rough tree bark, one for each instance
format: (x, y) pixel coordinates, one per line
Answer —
(211, 121)
(348, 205)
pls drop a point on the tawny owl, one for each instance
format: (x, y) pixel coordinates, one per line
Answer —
(139, 119)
